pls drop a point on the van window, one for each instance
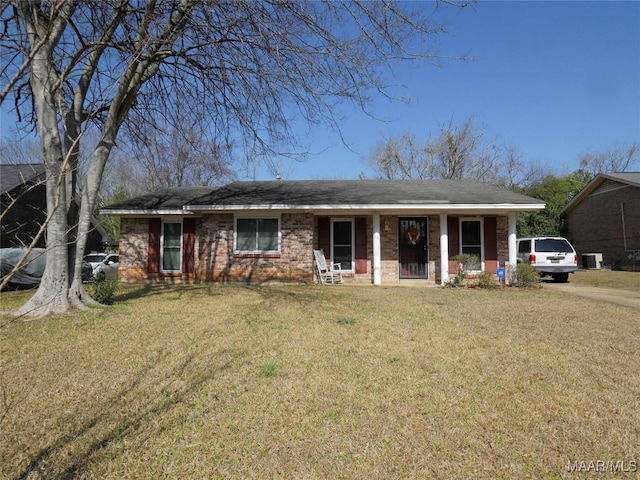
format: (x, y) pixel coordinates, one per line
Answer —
(553, 245)
(525, 246)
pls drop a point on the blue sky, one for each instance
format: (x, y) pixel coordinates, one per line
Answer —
(556, 79)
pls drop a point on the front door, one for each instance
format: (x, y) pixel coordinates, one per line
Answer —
(412, 247)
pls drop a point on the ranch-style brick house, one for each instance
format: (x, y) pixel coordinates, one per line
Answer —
(605, 218)
(380, 231)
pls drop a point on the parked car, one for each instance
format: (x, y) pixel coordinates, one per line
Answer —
(30, 274)
(553, 256)
(104, 265)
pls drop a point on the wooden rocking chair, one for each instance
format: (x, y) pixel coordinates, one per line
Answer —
(331, 273)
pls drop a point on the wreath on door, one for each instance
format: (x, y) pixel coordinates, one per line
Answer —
(412, 235)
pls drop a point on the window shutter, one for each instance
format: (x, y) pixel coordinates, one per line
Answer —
(188, 245)
(361, 244)
(324, 235)
(153, 262)
(490, 245)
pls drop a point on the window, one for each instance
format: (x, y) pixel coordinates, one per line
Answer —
(257, 235)
(471, 240)
(342, 243)
(171, 246)
(548, 245)
(524, 247)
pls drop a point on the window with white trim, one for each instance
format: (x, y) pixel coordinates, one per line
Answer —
(257, 235)
(342, 242)
(471, 240)
(171, 242)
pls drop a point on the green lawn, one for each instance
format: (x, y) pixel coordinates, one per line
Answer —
(320, 382)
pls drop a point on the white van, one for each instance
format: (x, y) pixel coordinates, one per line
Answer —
(552, 256)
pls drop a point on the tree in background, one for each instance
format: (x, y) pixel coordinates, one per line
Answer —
(556, 192)
(461, 152)
(516, 171)
(20, 151)
(621, 157)
(401, 157)
(250, 67)
(179, 152)
(457, 152)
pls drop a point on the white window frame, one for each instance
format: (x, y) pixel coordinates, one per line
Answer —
(353, 242)
(256, 217)
(481, 221)
(165, 221)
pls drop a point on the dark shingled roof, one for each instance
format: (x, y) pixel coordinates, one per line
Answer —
(11, 176)
(329, 192)
(360, 192)
(165, 199)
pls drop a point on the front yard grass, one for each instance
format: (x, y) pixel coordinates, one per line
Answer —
(608, 278)
(321, 382)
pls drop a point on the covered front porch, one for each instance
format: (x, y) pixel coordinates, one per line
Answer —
(383, 248)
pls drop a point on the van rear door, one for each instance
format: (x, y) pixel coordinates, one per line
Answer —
(554, 252)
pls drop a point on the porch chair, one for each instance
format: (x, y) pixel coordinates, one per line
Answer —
(327, 273)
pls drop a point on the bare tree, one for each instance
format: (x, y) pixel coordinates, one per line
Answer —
(621, 157)
(517, 171)
(19, 151)
(401, 157)
(251, 67)
(457, 152)
(460, 151)
(180, 153)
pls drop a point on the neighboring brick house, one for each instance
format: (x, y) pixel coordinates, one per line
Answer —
(23, 200)
(605, 218)
(381, 231)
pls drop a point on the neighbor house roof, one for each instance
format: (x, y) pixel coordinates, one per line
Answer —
(382, 195)
(12, 176)
(604, 181)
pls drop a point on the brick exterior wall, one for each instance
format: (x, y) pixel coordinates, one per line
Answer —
(502, 236)
(595, 225)
(134, 249)
(215, 260)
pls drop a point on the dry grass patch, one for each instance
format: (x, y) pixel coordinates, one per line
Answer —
(313, 382)
(608, 278)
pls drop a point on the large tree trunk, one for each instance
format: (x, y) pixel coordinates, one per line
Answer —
(52, 295)
(77, 294)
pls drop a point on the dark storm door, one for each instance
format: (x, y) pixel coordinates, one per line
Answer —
(412, 247)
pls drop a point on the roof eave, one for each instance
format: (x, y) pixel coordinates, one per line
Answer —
(382, 208)
(433, 207)
(140, 212)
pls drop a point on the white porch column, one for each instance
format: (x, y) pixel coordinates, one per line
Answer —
(377, 251)
(513, 252)
(444, 249)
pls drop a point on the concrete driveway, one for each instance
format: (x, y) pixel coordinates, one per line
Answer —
(625, 298)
